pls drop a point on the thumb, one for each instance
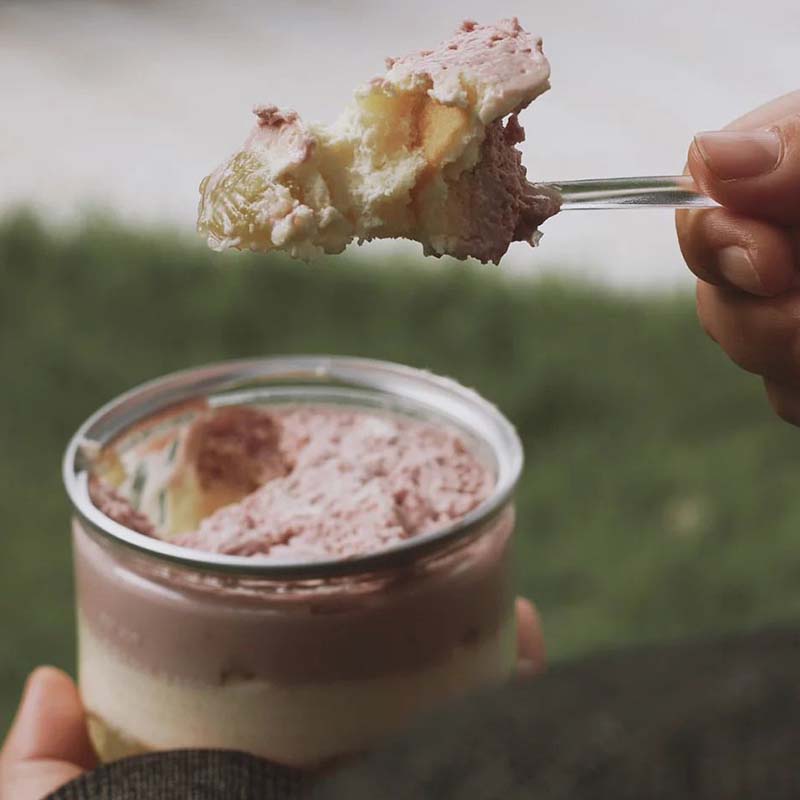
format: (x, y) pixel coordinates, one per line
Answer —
(48, 744)
(754, 172)
(531, 655)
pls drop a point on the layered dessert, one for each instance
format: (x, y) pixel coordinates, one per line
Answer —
(299, 670)
(426, 152)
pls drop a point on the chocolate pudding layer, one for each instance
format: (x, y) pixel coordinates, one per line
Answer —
(211, 629)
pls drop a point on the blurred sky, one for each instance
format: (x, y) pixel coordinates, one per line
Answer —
(126, 105)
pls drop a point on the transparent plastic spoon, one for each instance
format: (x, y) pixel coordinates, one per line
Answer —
(664, 191)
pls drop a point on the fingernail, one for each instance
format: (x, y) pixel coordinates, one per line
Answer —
(736, 267)
(732, 155)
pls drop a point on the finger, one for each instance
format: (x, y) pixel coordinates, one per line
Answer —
(753, 172)
(759, 334)
(728, 249)
(764, 116)
(530, 641)
(33, 780)
(784, 399)
(50, 723)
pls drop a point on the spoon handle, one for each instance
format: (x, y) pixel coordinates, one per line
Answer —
(665, 191)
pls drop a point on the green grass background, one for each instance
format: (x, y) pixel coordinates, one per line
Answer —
(660, 497)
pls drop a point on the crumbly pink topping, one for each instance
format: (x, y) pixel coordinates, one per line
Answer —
(114, 505)
(360, 482)
(236, 447)
(280, 132)
(503, 63)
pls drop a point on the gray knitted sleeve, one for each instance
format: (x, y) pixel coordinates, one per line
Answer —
(186, 775)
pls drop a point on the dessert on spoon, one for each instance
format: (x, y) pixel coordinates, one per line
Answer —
(427, 152)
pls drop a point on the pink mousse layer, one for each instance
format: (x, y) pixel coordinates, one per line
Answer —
(494, 204)
(503, 63)
(339, 483)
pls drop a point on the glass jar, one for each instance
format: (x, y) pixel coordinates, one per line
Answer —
(300, 663)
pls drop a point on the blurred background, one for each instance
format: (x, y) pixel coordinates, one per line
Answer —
(659, 498)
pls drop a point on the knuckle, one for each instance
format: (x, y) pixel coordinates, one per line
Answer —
(701, 234)
(790, 126)
(744, 357)
(788, 130)
(705, 325)
(785, 402)
(704, 315)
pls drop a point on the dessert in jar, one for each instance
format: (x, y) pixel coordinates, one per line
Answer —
(289, 556)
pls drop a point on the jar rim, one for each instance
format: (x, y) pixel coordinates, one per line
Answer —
(424, 390)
